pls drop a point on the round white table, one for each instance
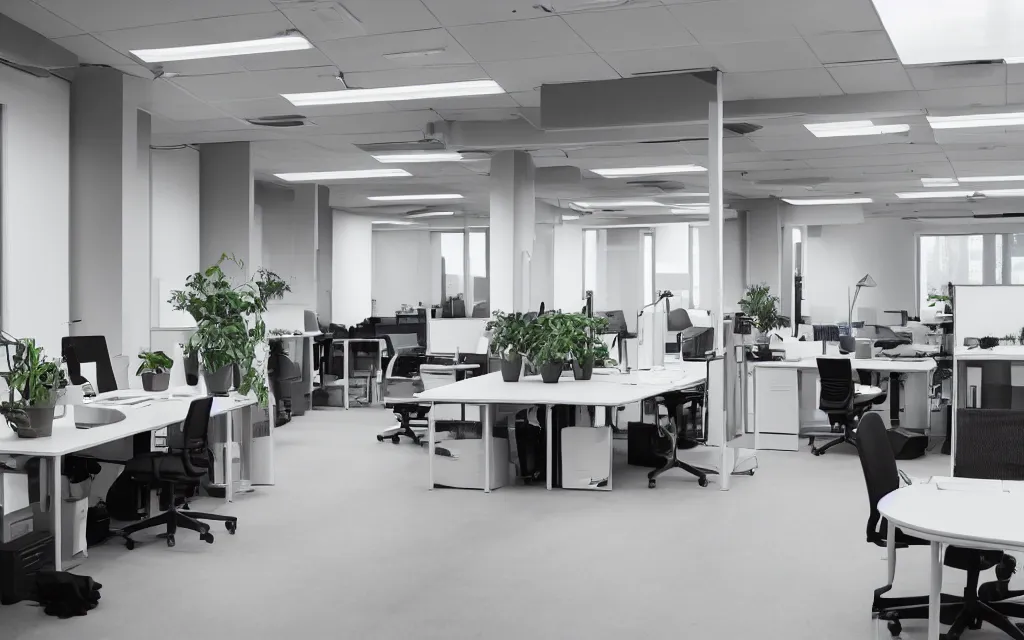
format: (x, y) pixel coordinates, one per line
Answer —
(961, 515)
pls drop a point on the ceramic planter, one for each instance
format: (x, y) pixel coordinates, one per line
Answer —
(152, 381)
(550, 372)
(511, 367)
(40, 423)
(219, 382)
(583, 370)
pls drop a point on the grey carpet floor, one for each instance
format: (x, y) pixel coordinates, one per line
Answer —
(350, 544)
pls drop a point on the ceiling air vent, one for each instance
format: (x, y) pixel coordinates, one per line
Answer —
(280, 121)
(741, 128)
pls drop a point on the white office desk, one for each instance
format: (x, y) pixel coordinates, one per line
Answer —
(68, 439)
(784, 397)
(604, 390)
(975, 519)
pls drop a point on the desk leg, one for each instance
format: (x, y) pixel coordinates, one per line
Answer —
(935, 598)
(229, 484)
(245, 446)
(344, 371)
(490, 412)
(430, 447)
(549, 428)
(55, 507)
(890, 551)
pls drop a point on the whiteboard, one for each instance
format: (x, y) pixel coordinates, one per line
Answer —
(993, 310)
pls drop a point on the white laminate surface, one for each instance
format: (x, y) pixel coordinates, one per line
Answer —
(601, 391)
(980, 514)
(899, 365)
(995, 353)
(448, 367)
(159, 413)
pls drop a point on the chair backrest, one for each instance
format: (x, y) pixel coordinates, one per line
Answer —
(196, 429)
(79, 349)
(837, 389)
(678, 320)
(616, 321)
(878, 462)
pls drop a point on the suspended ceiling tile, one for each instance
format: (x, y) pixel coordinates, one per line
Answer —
(764, 56)
(375, 122)
(964, 98)
(405, 77)
(124, 14)
(528, 74)
(435, 46)
(526, 98)
(194, 32)
(954, 76)
(467, 103)
(461, 12)
(727, 21)
(92, 51)
(817, 17)
(628, 63)
(510, 113)
(871, 77)
(348, 18)
(38, 19)
(260, 84)
(852, 47)
(629, 29)
(537, 38)
(780, 84)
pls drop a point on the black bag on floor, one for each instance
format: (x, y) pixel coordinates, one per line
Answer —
(65, 595)
(125, 499)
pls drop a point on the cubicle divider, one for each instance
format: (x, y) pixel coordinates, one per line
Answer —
(448, 335)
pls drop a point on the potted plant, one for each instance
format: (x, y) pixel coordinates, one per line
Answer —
(229, 328)
(36, 380)
(763, 309)
(550, 339)
(508, 341)
(587, 345)
(155, 370)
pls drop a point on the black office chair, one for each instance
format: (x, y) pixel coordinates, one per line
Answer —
(840, 400)
(984, 604)
(79, 349)
(672, 435)
(179, 468)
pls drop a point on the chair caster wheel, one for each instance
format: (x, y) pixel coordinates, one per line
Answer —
(651, 484)
(380, 438)
(232, 527)
(702, 482)
(207, 538)
(395, 439)
(816, 452)
(170, 540)
(895, 628)
(129, 543)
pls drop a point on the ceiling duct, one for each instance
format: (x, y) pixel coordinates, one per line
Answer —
(28, 51)
(280, 121)
(395, 147)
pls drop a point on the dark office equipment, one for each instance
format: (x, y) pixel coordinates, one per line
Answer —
(743, 324)
(179, 468)
(678, 320)
(840, 401)
(617, 325)
(310, 321)
(695, 342)
(977, 604)
(453, 308)
(672, 435)
(20, 560)
(907, 445)
(284, 368)
(882, 337)
(826, 332)
(65, 595)
(80, 349)
(989, 444)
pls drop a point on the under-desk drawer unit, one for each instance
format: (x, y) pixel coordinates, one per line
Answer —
(776, 408)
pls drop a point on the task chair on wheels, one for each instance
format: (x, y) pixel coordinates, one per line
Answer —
(978, 604)
(843, 401)
(401, 382)
(672, 435)
(182, 467)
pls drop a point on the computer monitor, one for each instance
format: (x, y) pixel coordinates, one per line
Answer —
(310, 320)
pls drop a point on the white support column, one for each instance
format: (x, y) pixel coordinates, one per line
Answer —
(353, 258)
(712, 300)
(324, 253)
(513, 214)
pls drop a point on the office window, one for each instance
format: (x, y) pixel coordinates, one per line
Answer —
(648, 268)
(1015, 246)
(672, 262)
(945, 259)
(465, 269)
(452, 265)
(479, 265)
(999, 259)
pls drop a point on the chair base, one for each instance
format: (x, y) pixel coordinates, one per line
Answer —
(840, 440)
(173, 519)
(405, 427)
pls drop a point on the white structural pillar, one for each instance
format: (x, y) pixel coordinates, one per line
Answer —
(228, 221)
(324, 253)
(110, 217)
(567, 255)
(289, 237)
(712, 299)
(352, 299)
(513, 215)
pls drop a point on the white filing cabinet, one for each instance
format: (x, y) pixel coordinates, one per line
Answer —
(776, 408)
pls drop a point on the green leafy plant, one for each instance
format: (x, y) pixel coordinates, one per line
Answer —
(763, 308)
(587, 342)
(935, 298)
(551, 337)
(229, 323)
(508, 333)
(154, 362)
(34, 379)
(1009, 338)
(271, 285)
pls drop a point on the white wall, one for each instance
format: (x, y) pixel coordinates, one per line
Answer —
(35, 206)
(732, 265)
(568, 267)
(402, 269)
(175, 198)
(289, 233)
(764, 248)
(542, 278)
(842, 254)
(353, 257)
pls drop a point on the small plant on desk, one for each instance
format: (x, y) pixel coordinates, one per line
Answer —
(508, 341)
(155, 369)
(763, 309)
(36, 380)
(550, 339)
(1008, 340)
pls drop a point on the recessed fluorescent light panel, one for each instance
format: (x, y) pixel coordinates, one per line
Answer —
(939, 182)
(925, 195)
(326, 176)
(993, 179)
(398, 222)
(417, 198)
(1002, 193)
(617, 204)
(854, 128)
(695, 209)
(629, 172)
(569, 217)
(427, 156)
(825, 201)
(431, 214)
(977, 120)
(396, 94)
(293, 42)
(940, 31)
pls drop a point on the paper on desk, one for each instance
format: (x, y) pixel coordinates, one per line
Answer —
(945, 483)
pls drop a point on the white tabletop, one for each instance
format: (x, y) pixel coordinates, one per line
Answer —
(448, 367)
(898, 365)
(160, 413)
(1012, 352)
(962, 513)
(601, 391)
(304, 334)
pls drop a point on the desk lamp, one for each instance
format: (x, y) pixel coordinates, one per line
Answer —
(866, 281)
